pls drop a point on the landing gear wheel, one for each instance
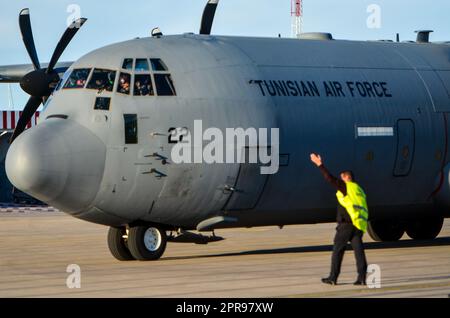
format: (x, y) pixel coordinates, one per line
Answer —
(117, 244)
(385, 230)
(425, 229)
(147, 243)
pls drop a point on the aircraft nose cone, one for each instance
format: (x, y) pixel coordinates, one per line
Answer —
(58, 162)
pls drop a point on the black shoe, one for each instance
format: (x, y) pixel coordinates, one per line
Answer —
(359, 283)
(329, 281)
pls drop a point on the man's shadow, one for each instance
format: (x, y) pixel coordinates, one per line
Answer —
(441, 241)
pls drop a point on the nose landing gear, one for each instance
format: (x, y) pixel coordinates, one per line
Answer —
(117, 243)
(143, 243)
(147, 243)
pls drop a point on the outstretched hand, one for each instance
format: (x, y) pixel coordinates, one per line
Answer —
(316, 159)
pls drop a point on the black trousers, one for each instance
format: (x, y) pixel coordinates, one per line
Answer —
(347, 232)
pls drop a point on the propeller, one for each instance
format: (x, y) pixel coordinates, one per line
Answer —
(208, 17)
(40, 83)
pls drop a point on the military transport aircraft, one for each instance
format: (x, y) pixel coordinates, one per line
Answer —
(102, 149)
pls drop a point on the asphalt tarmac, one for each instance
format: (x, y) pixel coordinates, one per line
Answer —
(37, 247)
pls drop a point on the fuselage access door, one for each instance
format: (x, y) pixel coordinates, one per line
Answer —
(405, 147)
(249, 185)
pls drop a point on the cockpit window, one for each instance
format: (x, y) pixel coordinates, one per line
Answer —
(102, 103)
(146, 77)
(124, 83)
(164, 85)
(131, 128)
(158, 65)
(141, 65)
(143, 85)
(78, 78)
(102, 80)
(127, 64)
(63, 80)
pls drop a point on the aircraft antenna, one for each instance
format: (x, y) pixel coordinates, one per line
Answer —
(297, 17)
(10, 98)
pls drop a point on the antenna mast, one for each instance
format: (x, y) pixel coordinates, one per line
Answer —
(297, 17)
(10, 98)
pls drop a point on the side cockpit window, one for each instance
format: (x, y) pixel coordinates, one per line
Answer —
(102, 80)
(63, 80)
(163, 79)
(78, 78)
(164, 85)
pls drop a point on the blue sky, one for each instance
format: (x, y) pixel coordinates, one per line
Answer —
(112, 21)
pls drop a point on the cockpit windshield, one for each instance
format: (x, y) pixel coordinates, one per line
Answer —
(143, 85)
(158, 65)
(124, 83)
(78, 78)
(102, 80)
(127, 64)
(138, 77)
(151, 77)
(141, 65)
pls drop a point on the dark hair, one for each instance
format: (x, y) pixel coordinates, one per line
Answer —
(349, 173)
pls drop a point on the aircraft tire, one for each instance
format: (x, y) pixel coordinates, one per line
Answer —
(425, 229)
(385, 230)
(147, 243)
(117, 245)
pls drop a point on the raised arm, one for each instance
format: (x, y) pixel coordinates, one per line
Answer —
(337, 183)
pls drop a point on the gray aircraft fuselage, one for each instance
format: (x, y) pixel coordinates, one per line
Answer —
(376, 108)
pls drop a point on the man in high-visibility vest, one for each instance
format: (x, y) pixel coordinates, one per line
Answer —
(352, 219)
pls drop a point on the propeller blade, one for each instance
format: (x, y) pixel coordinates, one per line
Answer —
(208, 17)
(28, 112)
(27, 36)
(64, 41)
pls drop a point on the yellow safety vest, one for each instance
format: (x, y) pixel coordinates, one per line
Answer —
(355, 204)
